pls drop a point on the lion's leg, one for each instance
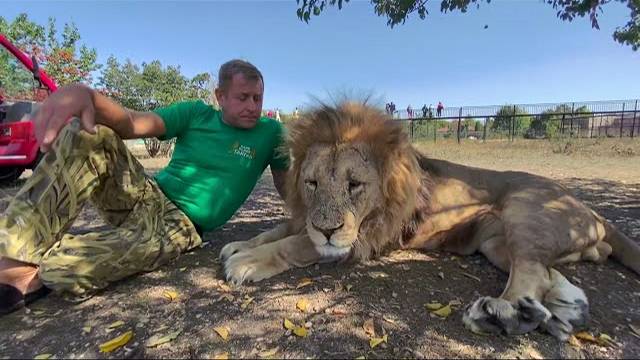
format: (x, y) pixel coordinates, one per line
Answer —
(535, 295)
(267, 260)
(518, 310)
(279, 232)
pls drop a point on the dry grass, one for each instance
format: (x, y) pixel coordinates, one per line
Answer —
(612, 159)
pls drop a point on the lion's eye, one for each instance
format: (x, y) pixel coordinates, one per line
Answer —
(355, 186)
(311, 184)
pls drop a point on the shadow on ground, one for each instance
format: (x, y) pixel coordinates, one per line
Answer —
(392, 291)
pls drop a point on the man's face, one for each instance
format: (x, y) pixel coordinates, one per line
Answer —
(241, 103)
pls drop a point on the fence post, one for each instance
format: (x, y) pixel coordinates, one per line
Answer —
(512, 126)
(459, 120)
(633, 126)
(411, 128)
(435, 129)
(600, 126)
(622, 118)
(484, 131)
(573, 105)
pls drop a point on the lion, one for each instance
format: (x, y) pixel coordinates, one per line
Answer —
(358, 188)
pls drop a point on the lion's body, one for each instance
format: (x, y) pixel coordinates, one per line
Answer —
(358, 188)
(469, 206)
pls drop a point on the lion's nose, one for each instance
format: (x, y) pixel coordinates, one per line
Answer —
(327, 232)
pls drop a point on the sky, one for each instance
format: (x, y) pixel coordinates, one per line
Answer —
(525, 55)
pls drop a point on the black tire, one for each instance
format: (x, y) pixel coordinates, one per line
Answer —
(10, 174)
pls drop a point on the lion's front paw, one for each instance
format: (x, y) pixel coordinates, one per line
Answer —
(494, 315)
(233, 248)
(252, 265)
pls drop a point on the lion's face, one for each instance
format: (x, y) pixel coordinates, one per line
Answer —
(340, 186)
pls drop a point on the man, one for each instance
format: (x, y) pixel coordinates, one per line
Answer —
(439, 109)
(219, 156)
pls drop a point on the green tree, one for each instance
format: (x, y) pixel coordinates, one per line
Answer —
(550, 121)
(62, 57)
(151, 85)
(511, 116)
(397, 12)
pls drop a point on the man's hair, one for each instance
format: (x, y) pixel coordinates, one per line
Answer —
(237, 66)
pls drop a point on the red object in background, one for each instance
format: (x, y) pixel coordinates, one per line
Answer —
(18, 144)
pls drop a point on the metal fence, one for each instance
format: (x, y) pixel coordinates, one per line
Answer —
(619, 118)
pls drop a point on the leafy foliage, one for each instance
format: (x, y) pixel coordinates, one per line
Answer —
(398, 11)
(151, 85)
(62, 57)
(511, 116)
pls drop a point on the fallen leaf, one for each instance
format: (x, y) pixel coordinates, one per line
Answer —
(224, 287)
(86, 329)
(37, 312)
(377, 274)
(455, 302)
(43, 356)
(117, 342)
(115, 324)
(221, 356)
(441, 275)
(170, 295)
(288, 324)
(635, 330)
(433, 306)
(389, 320)
(361, 357)
(369, 329)
(268, 353)
(573, 341)
(377, 341)
(336, 312)
(444, 311)
(183, 269)
(246, 302)
(302, 304)
(300, 331)
(583, 335)
(348, 287)
(304, 282)
(159, 340)
(471, 276)
(227, 297)
(606, 340)
(222, 331)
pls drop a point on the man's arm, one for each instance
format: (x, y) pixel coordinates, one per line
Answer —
(279, 177)
(92, 108)
(127, 123)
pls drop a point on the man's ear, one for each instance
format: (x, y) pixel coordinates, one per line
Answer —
(219, 95)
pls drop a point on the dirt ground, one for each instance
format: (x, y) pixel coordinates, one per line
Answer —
(392, 290)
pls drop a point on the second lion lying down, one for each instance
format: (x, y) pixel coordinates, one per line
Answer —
(357, 188)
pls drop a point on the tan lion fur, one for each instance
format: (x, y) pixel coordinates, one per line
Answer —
(357, 187)
(402, 179)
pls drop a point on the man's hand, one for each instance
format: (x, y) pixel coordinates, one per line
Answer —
(59, 108)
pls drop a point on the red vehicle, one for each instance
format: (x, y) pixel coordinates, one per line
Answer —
(18, 145)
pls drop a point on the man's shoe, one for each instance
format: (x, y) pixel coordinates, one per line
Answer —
(11, 299)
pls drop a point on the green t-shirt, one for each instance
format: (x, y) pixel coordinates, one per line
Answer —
(215, 166)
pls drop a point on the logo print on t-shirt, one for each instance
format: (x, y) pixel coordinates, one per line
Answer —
(243, 151)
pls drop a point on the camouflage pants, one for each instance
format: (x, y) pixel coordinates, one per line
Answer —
(147, 229)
